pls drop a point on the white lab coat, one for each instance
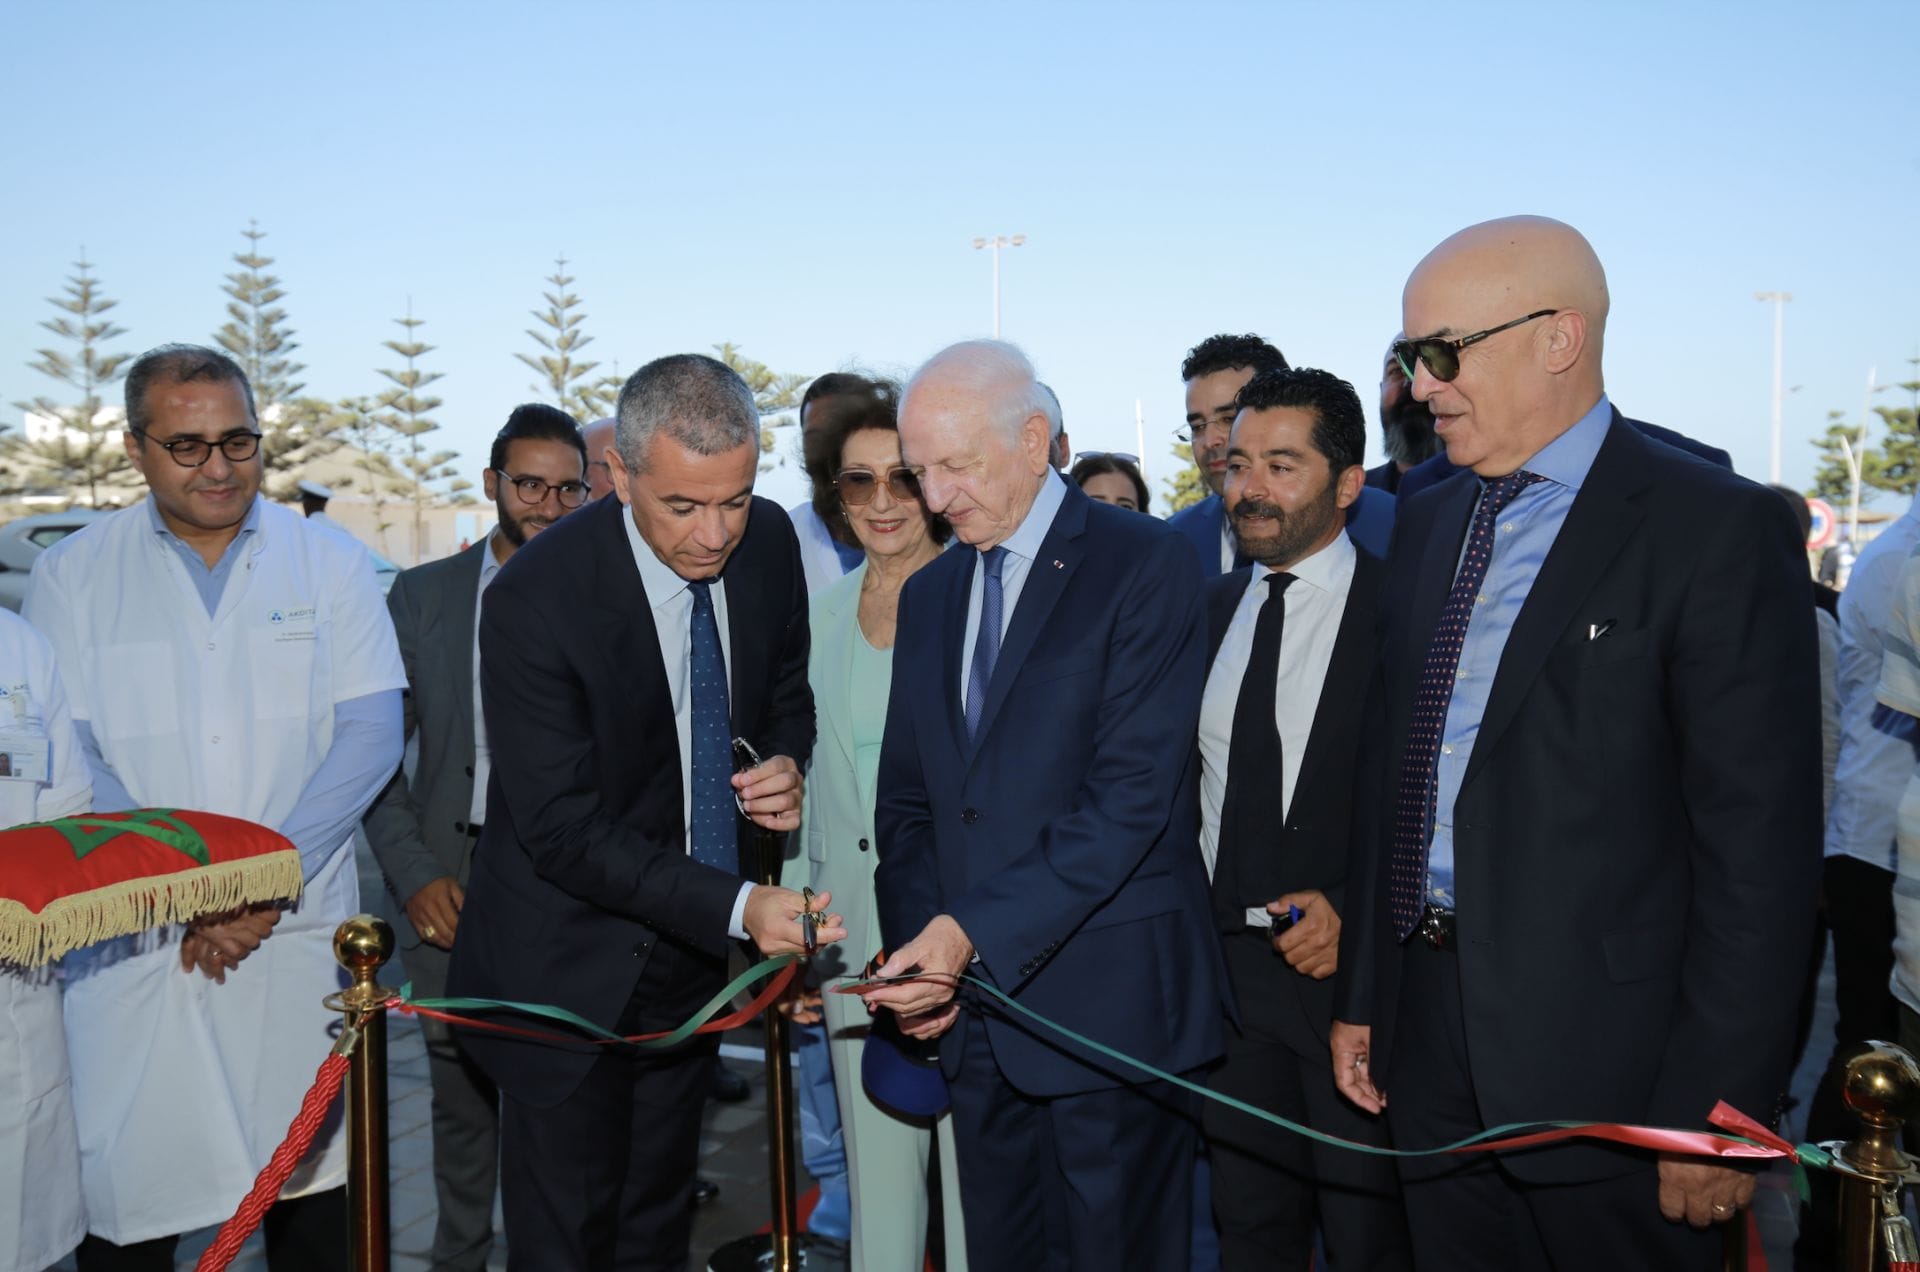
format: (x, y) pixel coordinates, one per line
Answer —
(41, 1216)
(182, 1087)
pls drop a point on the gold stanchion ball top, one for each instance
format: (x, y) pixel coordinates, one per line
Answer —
(1883, 1085)
(363, 944)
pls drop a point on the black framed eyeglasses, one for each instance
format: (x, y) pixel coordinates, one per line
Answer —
(858, 486)
(191, 452)
(1442, 356)
(533, 491)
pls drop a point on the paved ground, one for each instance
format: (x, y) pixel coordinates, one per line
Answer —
(734, 1154)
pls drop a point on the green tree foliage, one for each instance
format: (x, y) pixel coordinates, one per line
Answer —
(1188, 486)
(256, 333)
(83, 446)
(775, 396)
(361, 424)
(404, 412)
(1892, 466)
(567, 379)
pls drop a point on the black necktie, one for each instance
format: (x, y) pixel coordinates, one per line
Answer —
(1252, 811)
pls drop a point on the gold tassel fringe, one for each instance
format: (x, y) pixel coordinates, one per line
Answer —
(29, 940)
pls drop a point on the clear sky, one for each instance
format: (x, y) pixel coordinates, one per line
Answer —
(805, 179)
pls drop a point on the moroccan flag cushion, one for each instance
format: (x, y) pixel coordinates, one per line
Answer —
(78, 880)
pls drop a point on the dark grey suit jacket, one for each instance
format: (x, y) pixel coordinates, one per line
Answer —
(418, 829)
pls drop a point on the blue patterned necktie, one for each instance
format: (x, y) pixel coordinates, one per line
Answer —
(715, 842)
(986, 643)
(1414, 807)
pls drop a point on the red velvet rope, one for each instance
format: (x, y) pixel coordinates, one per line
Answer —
(266, 1189)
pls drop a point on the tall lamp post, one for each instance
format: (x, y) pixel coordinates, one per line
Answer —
(1779, 301)
(997, 242)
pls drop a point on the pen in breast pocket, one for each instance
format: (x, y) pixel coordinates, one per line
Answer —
(1596, 630)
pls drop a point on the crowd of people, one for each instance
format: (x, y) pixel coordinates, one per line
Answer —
(1405, 802)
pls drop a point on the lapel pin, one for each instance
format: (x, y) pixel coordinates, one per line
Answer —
(1059, 565)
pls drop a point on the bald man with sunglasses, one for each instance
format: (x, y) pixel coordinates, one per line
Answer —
(1597, 837)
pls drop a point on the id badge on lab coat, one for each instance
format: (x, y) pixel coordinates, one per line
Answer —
(25, 757)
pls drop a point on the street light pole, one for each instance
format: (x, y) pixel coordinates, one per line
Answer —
(1779, 301)
(997, 242)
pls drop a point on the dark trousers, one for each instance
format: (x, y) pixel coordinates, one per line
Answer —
(604, 1179)
(303, 1234)
(466, 1131)
(1269, 1185)
(1468, 1213)
(1860, 919)
(1095, 1182)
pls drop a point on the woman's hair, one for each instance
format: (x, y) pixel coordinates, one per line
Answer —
(1094, 465)
(855, 404)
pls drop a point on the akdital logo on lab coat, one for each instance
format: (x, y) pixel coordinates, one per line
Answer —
(281, 617)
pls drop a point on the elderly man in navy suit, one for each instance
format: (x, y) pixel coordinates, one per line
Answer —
(1037, 831)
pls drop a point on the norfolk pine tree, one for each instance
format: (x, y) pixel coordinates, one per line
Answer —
(1892, 466)
(84, 450)
(404, 411)
(295, 430)
(362, 427)
(773, 393)
(566, 379)
(1188, 486)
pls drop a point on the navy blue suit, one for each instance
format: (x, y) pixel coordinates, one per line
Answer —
(1063, 840)
(1369, 525)
(1436, 470)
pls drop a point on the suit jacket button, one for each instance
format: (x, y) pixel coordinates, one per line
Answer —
(469, 770)
(969, 815)
(863, 845)
(459, 828)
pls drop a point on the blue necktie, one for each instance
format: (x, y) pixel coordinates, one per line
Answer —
(986, 643)
(715, 842)
(1414, 810)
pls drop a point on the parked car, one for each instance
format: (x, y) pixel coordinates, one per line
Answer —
(25, 539)
(22, 541)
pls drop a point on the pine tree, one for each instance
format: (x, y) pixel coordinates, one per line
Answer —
(773, 394)
(1188, 486)
(80, 444)
(363, 427)
(1892, 466)
(256, 333)
(404, 411)
(568, 380)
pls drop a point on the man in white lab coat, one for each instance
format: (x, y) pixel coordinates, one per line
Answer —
(41, 1216)
(221, 654)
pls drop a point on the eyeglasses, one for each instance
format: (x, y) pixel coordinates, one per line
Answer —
(1443, 356)
(534, 491)
(191, 452)
(858, 486)
(1131, 459)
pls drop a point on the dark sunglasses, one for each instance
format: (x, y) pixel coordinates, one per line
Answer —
(858, 486)
(1120, 455)
(1442, 356)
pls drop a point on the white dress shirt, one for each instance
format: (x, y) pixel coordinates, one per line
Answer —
(1228, 548)
(818, 557)
(1315, 604)
(672, 605)
(1022, 546)
(1871, 770)
(482, 757)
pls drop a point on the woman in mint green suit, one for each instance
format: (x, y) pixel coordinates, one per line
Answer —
(875, 500)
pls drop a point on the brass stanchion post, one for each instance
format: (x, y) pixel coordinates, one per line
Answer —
(1882, 1088)
(785, 1248)
(363, 944)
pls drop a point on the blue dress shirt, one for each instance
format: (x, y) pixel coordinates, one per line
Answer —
(1521, 541)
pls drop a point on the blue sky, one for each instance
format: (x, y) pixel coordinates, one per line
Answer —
(804, 180)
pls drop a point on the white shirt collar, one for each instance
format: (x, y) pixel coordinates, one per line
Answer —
(489, 562)
(1025, 542)
(1328, 570)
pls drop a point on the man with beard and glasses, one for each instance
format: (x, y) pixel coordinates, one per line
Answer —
(423, 831)
(1282, 723)
(1406, 427)
(1215, 370)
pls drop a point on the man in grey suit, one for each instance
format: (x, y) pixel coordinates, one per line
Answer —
(422, 831)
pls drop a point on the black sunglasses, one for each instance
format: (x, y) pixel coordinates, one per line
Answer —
(858, 486)
(1442, 356)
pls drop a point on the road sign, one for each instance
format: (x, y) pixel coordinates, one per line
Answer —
(1826, 526)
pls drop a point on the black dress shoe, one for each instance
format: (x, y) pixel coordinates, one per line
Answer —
(704, 1191)
(727, 1086)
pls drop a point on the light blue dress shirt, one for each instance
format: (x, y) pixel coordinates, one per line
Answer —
(1022, 546)
(1521, 541)
(1872, 768)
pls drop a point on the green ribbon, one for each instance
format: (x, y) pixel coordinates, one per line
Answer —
(752, 976)
(86, 832)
